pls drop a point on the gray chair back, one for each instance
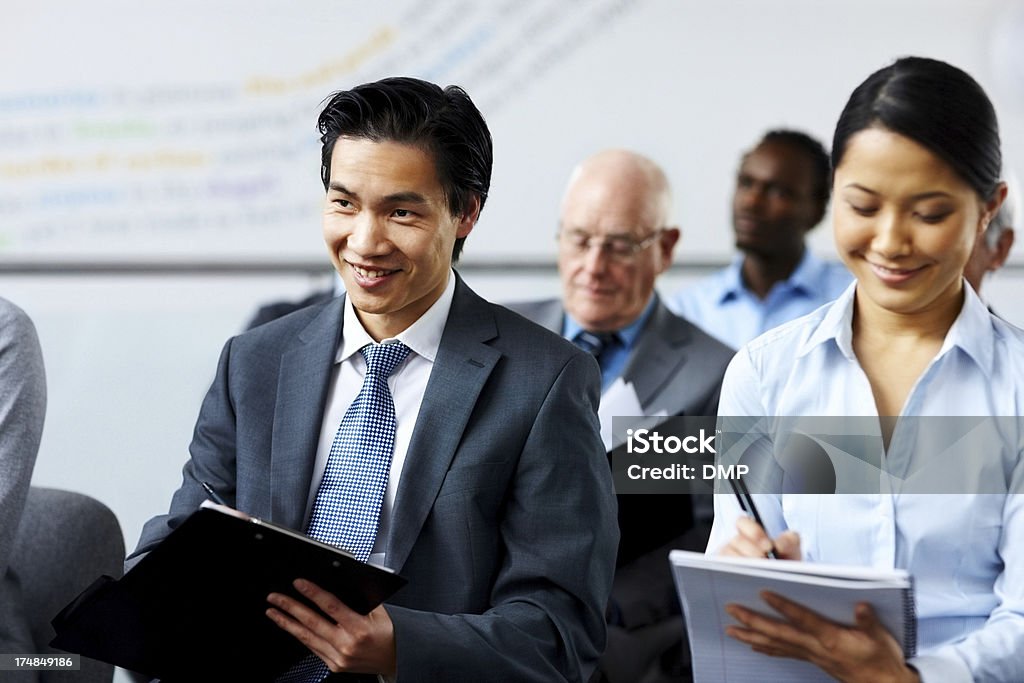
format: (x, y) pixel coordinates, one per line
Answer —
(66, 540)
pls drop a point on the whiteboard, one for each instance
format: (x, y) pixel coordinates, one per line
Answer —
(149, 132)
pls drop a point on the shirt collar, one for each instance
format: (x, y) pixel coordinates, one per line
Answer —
(836, 324)
(971, 331)
(423, 337)
(627, 335)
(806, 278)
(732, 281)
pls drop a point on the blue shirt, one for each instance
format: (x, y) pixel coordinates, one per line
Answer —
(613, 360)
(723, 307)
(965, 550)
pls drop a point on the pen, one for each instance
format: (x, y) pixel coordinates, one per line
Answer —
(739, 487)
(213, 494)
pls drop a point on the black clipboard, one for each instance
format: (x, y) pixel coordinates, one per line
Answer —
(194, 608)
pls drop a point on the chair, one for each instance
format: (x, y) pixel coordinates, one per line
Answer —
(65, 541)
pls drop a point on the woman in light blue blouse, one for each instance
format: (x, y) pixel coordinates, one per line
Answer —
(916, 162)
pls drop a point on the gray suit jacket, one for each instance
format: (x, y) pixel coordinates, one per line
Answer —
(504, 519)
(22, 409)
(675, 368)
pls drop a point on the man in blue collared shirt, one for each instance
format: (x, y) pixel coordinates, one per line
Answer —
(782, 189)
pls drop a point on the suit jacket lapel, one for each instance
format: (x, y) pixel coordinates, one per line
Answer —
(660, 353)
(463, 364)
(303, 381)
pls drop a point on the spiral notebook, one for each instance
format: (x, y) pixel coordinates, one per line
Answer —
(706, 584)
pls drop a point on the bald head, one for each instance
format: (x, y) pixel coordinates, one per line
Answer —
(623, 181)
(614, 238)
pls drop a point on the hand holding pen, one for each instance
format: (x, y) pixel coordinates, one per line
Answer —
(751, 539)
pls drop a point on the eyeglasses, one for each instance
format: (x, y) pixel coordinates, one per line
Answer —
(621, 248)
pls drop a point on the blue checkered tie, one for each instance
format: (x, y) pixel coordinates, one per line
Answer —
(347, 504)
(346, 509)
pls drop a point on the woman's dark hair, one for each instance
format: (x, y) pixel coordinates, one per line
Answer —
(443, 122)
(934, 104)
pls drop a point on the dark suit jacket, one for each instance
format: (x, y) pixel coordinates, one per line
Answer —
(504, 519)
(676, 368)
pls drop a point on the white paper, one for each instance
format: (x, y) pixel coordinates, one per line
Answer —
(620, 400)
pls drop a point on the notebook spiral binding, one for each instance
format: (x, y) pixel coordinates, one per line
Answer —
(909, 621)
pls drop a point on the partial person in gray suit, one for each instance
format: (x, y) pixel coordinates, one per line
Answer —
(22, 409)
(615, 239)
(499, 507)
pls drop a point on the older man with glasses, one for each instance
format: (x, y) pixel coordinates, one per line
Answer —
(614, 240)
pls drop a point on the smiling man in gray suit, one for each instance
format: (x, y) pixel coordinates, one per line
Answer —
(497, 503)
(614, 240)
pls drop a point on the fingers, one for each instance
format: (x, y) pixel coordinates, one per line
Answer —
(765, 631)
(787, 546)
(752, 532)
(749, 541)
(321, 635)
(304, 624)
(796, 614)
(326, 601)
(863, 652)
(344, 639)
(297, 612)
(867, 622)
(864, 616)
(752, 541)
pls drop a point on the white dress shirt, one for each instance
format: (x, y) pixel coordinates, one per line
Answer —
(965, 549)
(408, 383)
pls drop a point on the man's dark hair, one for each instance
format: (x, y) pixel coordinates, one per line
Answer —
(815, 151)
(443, 122)
(937, 106)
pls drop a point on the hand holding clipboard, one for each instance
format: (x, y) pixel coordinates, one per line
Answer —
(194, 607)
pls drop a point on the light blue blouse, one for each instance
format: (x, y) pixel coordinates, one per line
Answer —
(965, 549)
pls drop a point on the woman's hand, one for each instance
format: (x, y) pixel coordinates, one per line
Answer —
(752, 541)
(862, 653)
